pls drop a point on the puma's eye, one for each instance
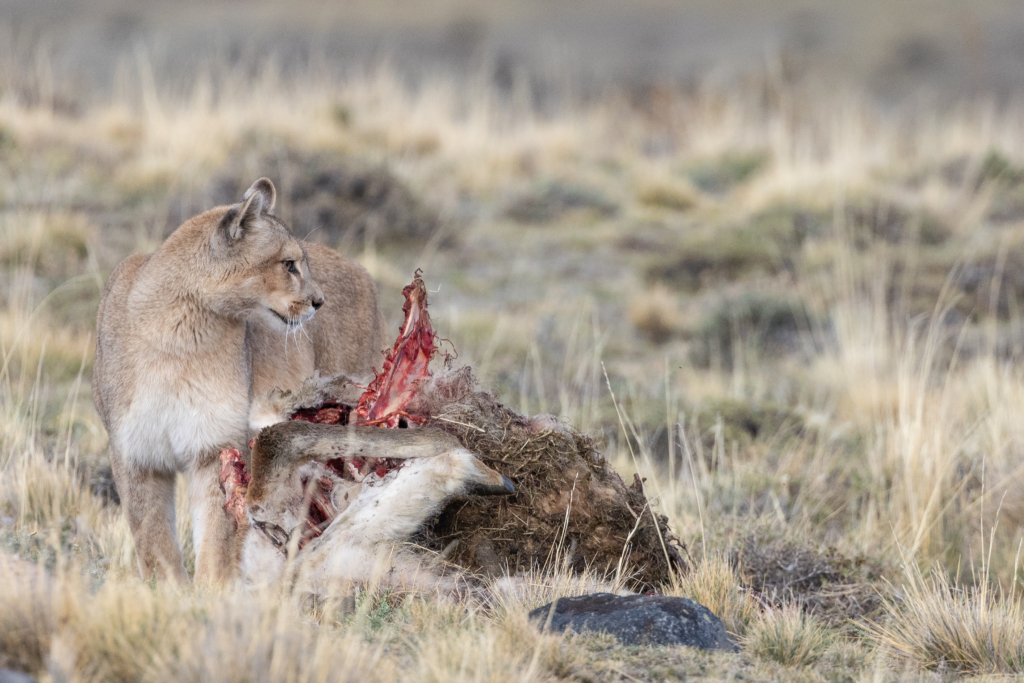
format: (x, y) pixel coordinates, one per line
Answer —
(290, 265)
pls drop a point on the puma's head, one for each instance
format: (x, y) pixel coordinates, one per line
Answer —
(263, 269)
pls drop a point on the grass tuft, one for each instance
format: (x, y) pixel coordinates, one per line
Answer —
(941, 625)
(655, 315)
(32, 609)
(788, 636)
(664, 195)
(129, 628)
(715, 583)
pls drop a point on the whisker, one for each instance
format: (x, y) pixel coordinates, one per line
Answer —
(293, 331)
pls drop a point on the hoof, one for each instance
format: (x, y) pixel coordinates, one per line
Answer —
(505, 488)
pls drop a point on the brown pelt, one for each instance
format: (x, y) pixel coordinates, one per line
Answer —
(567, 497)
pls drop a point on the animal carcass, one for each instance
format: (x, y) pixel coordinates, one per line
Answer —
(338, 491)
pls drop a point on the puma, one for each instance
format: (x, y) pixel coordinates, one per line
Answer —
(190, 342)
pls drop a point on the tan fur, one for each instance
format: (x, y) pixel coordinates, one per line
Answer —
(278, 449)
(187, 336)
(345, 337)
(367, 541)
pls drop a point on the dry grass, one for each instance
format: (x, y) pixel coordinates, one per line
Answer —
(939, 624)
(654, 315)
(128, 631)
(883, 412)
(31, 612)
(788, 636)
(715, 583)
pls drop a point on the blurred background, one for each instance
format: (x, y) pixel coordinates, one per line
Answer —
(772, 252)
(939, 50)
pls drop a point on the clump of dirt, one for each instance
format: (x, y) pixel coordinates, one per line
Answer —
(567, 496)
(333, 199)
(828, 584)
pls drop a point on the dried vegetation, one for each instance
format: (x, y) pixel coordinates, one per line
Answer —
(569, 502)
(834, 374)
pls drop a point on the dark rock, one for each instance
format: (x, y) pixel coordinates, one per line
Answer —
(639, 620)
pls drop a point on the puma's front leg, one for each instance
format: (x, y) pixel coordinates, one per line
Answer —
(148, 501)
(213, 533)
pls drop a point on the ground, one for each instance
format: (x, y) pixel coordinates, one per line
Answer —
(796, 314)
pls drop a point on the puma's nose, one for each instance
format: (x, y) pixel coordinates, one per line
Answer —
(317, 302)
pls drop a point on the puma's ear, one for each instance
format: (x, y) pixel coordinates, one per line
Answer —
(258, 199)
(265, 188)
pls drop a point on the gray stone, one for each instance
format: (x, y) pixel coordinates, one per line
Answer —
(11, 676)
(638, 620)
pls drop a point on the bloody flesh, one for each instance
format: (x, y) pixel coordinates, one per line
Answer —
(234, 481)
(330, 413)
(405, 365)
(320, 511)
(382, 404)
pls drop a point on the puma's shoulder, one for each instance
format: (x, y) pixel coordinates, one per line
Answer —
(119, 285)
(110, 324)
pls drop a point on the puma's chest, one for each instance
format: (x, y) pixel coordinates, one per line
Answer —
(178, 415)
